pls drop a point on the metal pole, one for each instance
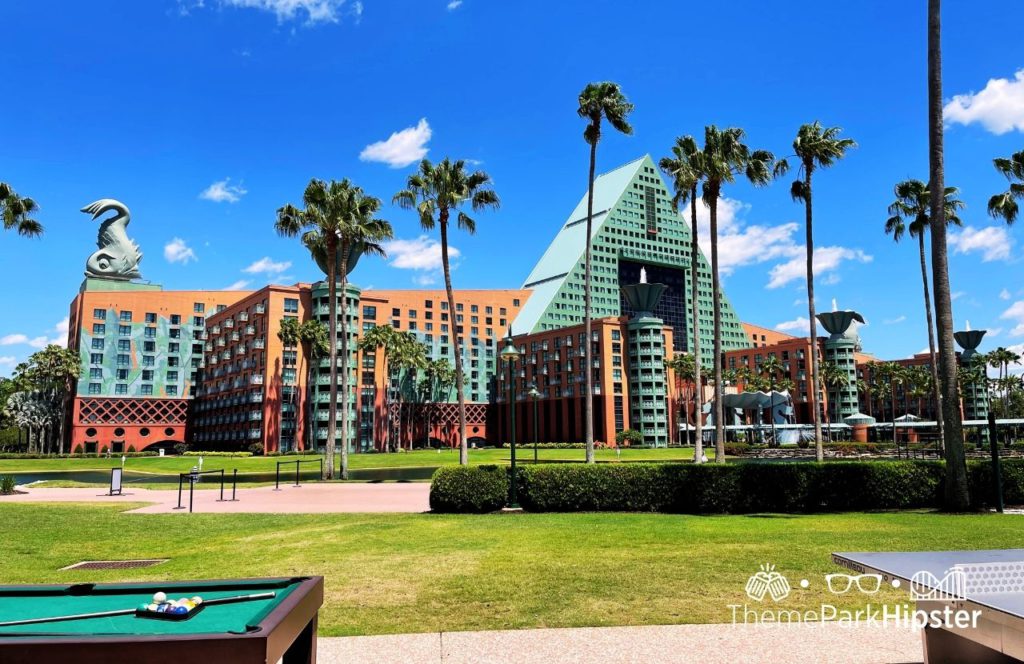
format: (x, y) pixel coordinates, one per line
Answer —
(536, 430)
(513, 499)
(321, 460)
(997, 476)
(221, 486)
(277, 477)
(234, 485)
(191, 487)
(180, 506)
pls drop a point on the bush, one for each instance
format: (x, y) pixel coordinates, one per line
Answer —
(7, 485)
(180, 448)
(256, 449)
(131, 449)
(199, 453)
(629, 437)
(469, 489)
(78, 450)
(740, 488)
(734, 449)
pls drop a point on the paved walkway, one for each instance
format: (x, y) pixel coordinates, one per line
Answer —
(707, 644)
(308, 498)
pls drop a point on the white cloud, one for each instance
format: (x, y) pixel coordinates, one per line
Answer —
(993, 332)
(956, 295)
(223, 192)
(423, 253)
(999, 107)
(894, 321)
(8, 361)
(740, 244)
(63, 325)
(826, 260)
(267, 265)
(1015, 314)
(1019, 350)
(798, 324)
(177, 251)
(1004, 294)
(993, 242)
(401, 148)
(314, 11)
(41, 341)
(241, 284)
(13, 339)
(454, 4)
(424, 279)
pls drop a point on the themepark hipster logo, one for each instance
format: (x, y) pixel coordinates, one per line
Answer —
(767, 582)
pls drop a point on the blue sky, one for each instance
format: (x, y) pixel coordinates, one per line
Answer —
(204, 117)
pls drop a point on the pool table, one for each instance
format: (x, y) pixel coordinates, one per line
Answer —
(263, 630)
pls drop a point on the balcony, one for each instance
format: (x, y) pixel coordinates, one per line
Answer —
(213, 359)
(221, 342)
(259, 343)
(250, 330)
(255, 397)
(259, 309)
(253, 434)
(241, 350)
(256, 379)
(235, 336)
(208, 346)
(243, 316)
(226, 355)
(229, 323)
(255, 415)
(215, 330)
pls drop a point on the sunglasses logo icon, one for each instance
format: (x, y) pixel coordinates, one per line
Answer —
(839, 584)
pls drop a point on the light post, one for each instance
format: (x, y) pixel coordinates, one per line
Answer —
(509, 355)
(535, 395)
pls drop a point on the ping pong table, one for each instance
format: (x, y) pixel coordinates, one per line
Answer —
(990, 583)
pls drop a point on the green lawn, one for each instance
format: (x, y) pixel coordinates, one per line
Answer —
(418, 573)
(394, 460)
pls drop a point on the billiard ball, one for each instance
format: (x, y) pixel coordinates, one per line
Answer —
(160, 597)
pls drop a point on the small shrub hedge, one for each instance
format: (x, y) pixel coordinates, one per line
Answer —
(740, 488)
(469, 489)
(197, 453)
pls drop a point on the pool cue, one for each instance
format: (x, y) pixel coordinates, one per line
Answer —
(127, 612)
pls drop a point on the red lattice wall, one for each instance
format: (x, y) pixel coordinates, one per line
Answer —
(139, 423)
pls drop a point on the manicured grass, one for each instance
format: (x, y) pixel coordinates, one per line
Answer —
(418, 458)
(419, 573)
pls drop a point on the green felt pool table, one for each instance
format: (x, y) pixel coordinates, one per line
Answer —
(264, 630)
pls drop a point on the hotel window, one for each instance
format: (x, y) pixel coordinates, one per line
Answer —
(148, 361)
(147, 374)
(149, 346)
(291, 305)
(412, 326)
(150, 317)
(515, 302)
(172, 390)
(150, 332)
(429, 315)
(412, 313)
(97, 344)
(124, 345)
(458, 306)
(124, 330)
(99, 313)
(174, 333)
(198, 307)
(473, 309)
(96, 372)
(147, 390)
(172, 361)
(120, 388)
(122, 374)
(370, 313)
(99, 328)
(126, 316)
(430, 327)
(175, 319)
(444, 305)
(221, 307)
(396, 312)
(502, 311)
(368, 326)
(173, 347)
(395, 324)
(197, 321)
(96, 358)
(94, 388)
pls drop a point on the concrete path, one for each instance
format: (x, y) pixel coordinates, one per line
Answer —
(706, 644)
(308, 498)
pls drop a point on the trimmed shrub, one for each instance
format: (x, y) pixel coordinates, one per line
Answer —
(256, 449)
(629, 437)
(739, 488)
(180, 448)
(6, 485)
(198, 453)
(78, 450)
(469, 489)
(131, 449)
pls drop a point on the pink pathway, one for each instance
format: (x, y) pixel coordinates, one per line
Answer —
(309, 498)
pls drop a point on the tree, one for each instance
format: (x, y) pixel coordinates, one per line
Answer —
(439, 377)
(436, 192)
(725, 156)
(772, 370)
(15, 211)
(51, 374)
(386, 339)
(955, 494)
(1004, 205)
(337, 226)
(834, 378)
(866, 388)
(312, 337)
(1001, 358)
(815, 147)
(685, 167)
(684, 369)
(910, 212)
(597, 102)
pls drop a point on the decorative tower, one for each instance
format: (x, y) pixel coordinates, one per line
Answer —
(975, 396)
(840, 349)
(646, 341)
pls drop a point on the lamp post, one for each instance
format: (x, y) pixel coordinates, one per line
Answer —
(509, 355)
(535, 395)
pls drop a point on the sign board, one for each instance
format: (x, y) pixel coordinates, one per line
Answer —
(115, 481)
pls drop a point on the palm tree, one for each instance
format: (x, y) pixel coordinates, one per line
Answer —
(338, 227)
(439, 377)
(867, 389)
(910, 213)
(815, 147)
(387, 339)
(597, 102)
(685, 167)
(684, 368)
(835, 378)
(1004, 205)
(1001, 358)
(436, 192)
(15, 211)
(724, 157)
(772, 369)
(956, 496)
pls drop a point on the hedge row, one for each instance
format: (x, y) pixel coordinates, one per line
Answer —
(196, 453)
(741, 488)
(24, 455)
